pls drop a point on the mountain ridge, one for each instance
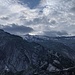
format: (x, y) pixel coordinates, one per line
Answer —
(18, 55)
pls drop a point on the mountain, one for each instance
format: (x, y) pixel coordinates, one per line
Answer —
(63, 45)
(24, 57)
(69, 41)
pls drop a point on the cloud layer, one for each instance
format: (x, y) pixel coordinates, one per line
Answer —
(45, 16)
(15, 29)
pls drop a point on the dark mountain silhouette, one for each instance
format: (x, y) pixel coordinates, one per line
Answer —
(21, 57)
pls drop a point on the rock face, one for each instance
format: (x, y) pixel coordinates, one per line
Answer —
(19, 55)
(62, 45)
(14, 52)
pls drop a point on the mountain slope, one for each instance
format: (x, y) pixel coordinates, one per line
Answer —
(61, 45)
(17, 54)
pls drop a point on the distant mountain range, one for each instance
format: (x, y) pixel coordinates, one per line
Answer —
(55, 43)
(30, 55)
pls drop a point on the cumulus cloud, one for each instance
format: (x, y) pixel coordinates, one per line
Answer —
(15, 29)
(44, 15)
(14, 10)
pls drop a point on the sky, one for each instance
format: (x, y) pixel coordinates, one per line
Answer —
(38, 17)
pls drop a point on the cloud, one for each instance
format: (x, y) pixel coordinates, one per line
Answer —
(55, 33)
(4, 18)
(14, 10)
(73, 9)
(42, 15)
(15, 29)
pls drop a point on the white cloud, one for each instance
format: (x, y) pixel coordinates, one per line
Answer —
(14, 10)
(49, 15)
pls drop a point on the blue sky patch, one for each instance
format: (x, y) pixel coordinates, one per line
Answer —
(30, 3)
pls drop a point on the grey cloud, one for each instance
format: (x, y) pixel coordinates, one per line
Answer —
(4, 18)
(53, 22)
(15, 29)
(73, 9)
(2, 8)
(55, 33)
(60, 16)
(42, 20)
